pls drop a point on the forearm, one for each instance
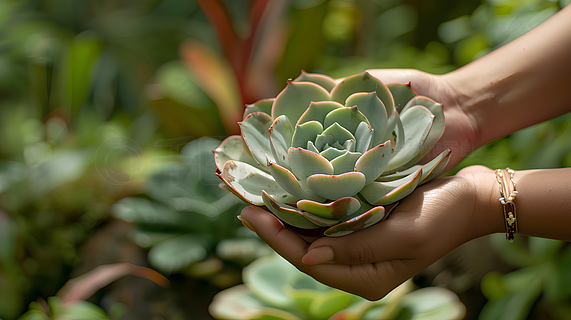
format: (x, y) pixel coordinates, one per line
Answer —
(543, 203)
(520, 84)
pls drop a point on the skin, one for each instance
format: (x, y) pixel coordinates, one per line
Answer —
(518, 85)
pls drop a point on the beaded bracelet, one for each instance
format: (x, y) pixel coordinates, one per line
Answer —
(505, 178)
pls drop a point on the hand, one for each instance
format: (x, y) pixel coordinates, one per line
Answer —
(426, 225)
(459, 132)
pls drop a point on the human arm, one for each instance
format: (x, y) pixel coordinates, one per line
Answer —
(435, 219)
(517, 85)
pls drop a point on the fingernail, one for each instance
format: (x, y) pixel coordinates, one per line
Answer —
(246, 223)
(318, 255)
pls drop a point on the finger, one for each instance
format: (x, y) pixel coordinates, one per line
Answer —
(370, 281)
(386, 240)
(270, 229)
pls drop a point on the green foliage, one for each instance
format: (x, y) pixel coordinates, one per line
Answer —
(274, 289)
(93, 93)
(187, 221)
(543, 273)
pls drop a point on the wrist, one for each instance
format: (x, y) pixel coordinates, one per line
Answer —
(487, 214)
(477, 97)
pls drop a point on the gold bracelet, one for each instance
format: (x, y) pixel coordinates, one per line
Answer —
(505, 178)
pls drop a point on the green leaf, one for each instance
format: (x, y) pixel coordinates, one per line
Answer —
(176, 82)
(320, 79)
(255, 133)
(360, 222)
(402, 94)
(82, 310)
(346, 162)
(335, 187)
(434, 304)
(417, 123)
(317, 111)
(363, 82)
(374, 109)
(328, 303)
(332, 210)
(289, 183)
(33, 315)
(338, 134)
(287, 213)
(236, 303)
(264, 105)
(347, 117)
(374, 162)
(178, 252)
(248, 182)
(232, 149)
(281, 133)
(260, 278)
(305, 163)
(296, 98)
(306, 133)
(383, 193)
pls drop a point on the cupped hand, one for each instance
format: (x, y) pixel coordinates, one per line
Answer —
(433, 220)
(459, 132)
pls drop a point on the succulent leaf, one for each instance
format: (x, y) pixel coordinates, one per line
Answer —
(383, 193)
(264, 105)
(296, 97)
(346, 162)
(347, 117)
(286, 213)
(338, 133)
(323, 80)
(255, 133)
(435, 166)
(360, 222)
(232, 149)
(336, 186)
(318, 110)
(289, 183)
(320, 221)
(333, 210)
(374, 109)
(332, 153)
(402, 94)
(305, 133)
(363, 136)
(363, 82)
(350, 145)
(281, 133)
(304, 163)
(249, 181)
(430, 104)
(374, 162)
(417, 122)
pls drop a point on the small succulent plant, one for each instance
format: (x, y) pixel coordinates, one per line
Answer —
(294, 295)
(331, 156)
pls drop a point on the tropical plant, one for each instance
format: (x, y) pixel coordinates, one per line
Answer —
(274, 289)
(329, 156)
(186, 219)
(542, 275)
(69, 302)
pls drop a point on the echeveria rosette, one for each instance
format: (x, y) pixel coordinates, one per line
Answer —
(333, 156)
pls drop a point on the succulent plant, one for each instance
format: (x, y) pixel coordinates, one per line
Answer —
(294, 295)
(335, 157)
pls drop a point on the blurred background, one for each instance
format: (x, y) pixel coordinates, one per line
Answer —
(103, 104)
